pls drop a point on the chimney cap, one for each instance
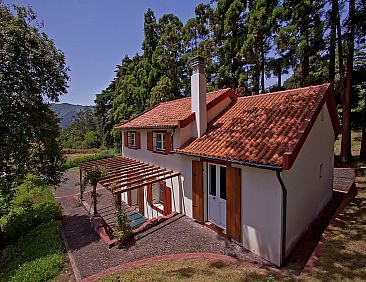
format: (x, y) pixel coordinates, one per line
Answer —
(197, 60)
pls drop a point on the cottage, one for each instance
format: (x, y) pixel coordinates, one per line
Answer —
(258, 167)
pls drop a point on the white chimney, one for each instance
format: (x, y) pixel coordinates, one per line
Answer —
(198, 94)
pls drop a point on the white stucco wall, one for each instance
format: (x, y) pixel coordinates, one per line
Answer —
(261, 200)
(307, 192)
(178, 163)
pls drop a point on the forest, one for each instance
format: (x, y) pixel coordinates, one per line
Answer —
(246, 44)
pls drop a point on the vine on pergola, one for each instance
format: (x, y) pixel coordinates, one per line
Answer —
(91, 177)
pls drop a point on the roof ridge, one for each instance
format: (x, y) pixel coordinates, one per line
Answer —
(285, 91)
(189, 97)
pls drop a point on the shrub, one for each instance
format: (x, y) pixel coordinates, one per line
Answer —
(38, 256)
(32, 205)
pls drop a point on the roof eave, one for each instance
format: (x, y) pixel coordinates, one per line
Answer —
(239, 162)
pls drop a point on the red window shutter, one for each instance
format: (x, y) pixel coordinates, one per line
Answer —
(129, 198)
(149, 141)
(138, 140)
(149, 193)
(168, 142)
(167, 200)
(125, 138)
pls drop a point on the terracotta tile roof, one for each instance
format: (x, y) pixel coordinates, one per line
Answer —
(168, 114)
(260, 129)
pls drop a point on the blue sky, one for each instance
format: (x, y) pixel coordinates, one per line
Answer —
(96, 34)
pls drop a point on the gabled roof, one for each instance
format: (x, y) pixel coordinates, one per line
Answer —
(176, 113)
(266, 129)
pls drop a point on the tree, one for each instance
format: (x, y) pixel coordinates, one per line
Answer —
(346, 103)
(32, 70)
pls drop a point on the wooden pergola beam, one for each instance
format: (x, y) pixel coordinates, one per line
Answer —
(150, 176)
(109, 160)
(121, 172)
(128, 175)
(122, 168)
(105, 163)
(146, 183)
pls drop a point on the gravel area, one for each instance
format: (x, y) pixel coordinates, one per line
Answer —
(179, 234)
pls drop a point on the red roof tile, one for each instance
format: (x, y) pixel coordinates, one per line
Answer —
(260, 129)
(168, 114)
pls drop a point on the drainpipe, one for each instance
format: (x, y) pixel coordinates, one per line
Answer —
(284, 217)
(172, 139)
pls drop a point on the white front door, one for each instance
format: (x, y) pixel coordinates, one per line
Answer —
(217, 195)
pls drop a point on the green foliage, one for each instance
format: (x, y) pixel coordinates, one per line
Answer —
(33, 204)
(77, 161)
(32, 71)
(123, 230)
(38, 256)
(91, 176)
(84, 132)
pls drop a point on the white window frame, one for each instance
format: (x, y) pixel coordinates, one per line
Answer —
(159, 145)
(131, 138)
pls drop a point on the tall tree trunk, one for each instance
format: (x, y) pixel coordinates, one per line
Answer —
(256, 78)
(332, 43)
(363, 141)
(346, 118)
(262, 68)
(305, 62)
(279, 77)
(340, 54)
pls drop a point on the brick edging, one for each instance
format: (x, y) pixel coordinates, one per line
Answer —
(151, 260)
(316, 255)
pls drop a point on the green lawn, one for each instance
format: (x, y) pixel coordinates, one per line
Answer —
(344, 256)
(38, 256)
(195, 270)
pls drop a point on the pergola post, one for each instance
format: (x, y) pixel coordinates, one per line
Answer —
(81, 184)
(94, 198)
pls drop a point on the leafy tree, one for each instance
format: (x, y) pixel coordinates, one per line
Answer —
(32, 70)
(84, 132)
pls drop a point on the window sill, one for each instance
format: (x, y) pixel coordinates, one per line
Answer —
(132, 148)
(160, 152)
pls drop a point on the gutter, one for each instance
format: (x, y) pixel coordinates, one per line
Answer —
(284, 217)
(256, 165)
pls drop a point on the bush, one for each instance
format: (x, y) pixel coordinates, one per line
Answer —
(77, 161)
(38, 256)
(32, 205)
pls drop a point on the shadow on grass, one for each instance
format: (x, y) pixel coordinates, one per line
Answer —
(344, 256)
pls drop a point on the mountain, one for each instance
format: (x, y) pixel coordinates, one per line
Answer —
(66, 112)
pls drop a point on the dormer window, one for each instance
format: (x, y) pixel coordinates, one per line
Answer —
(159, 141)
(131, 139)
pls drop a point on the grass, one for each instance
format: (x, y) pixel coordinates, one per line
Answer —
(356, 137)
(195, 270)
(344, 256)
(342, 259)
(73, 162)
(37, 256)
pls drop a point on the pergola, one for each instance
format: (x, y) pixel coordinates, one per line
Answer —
(125, 174)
